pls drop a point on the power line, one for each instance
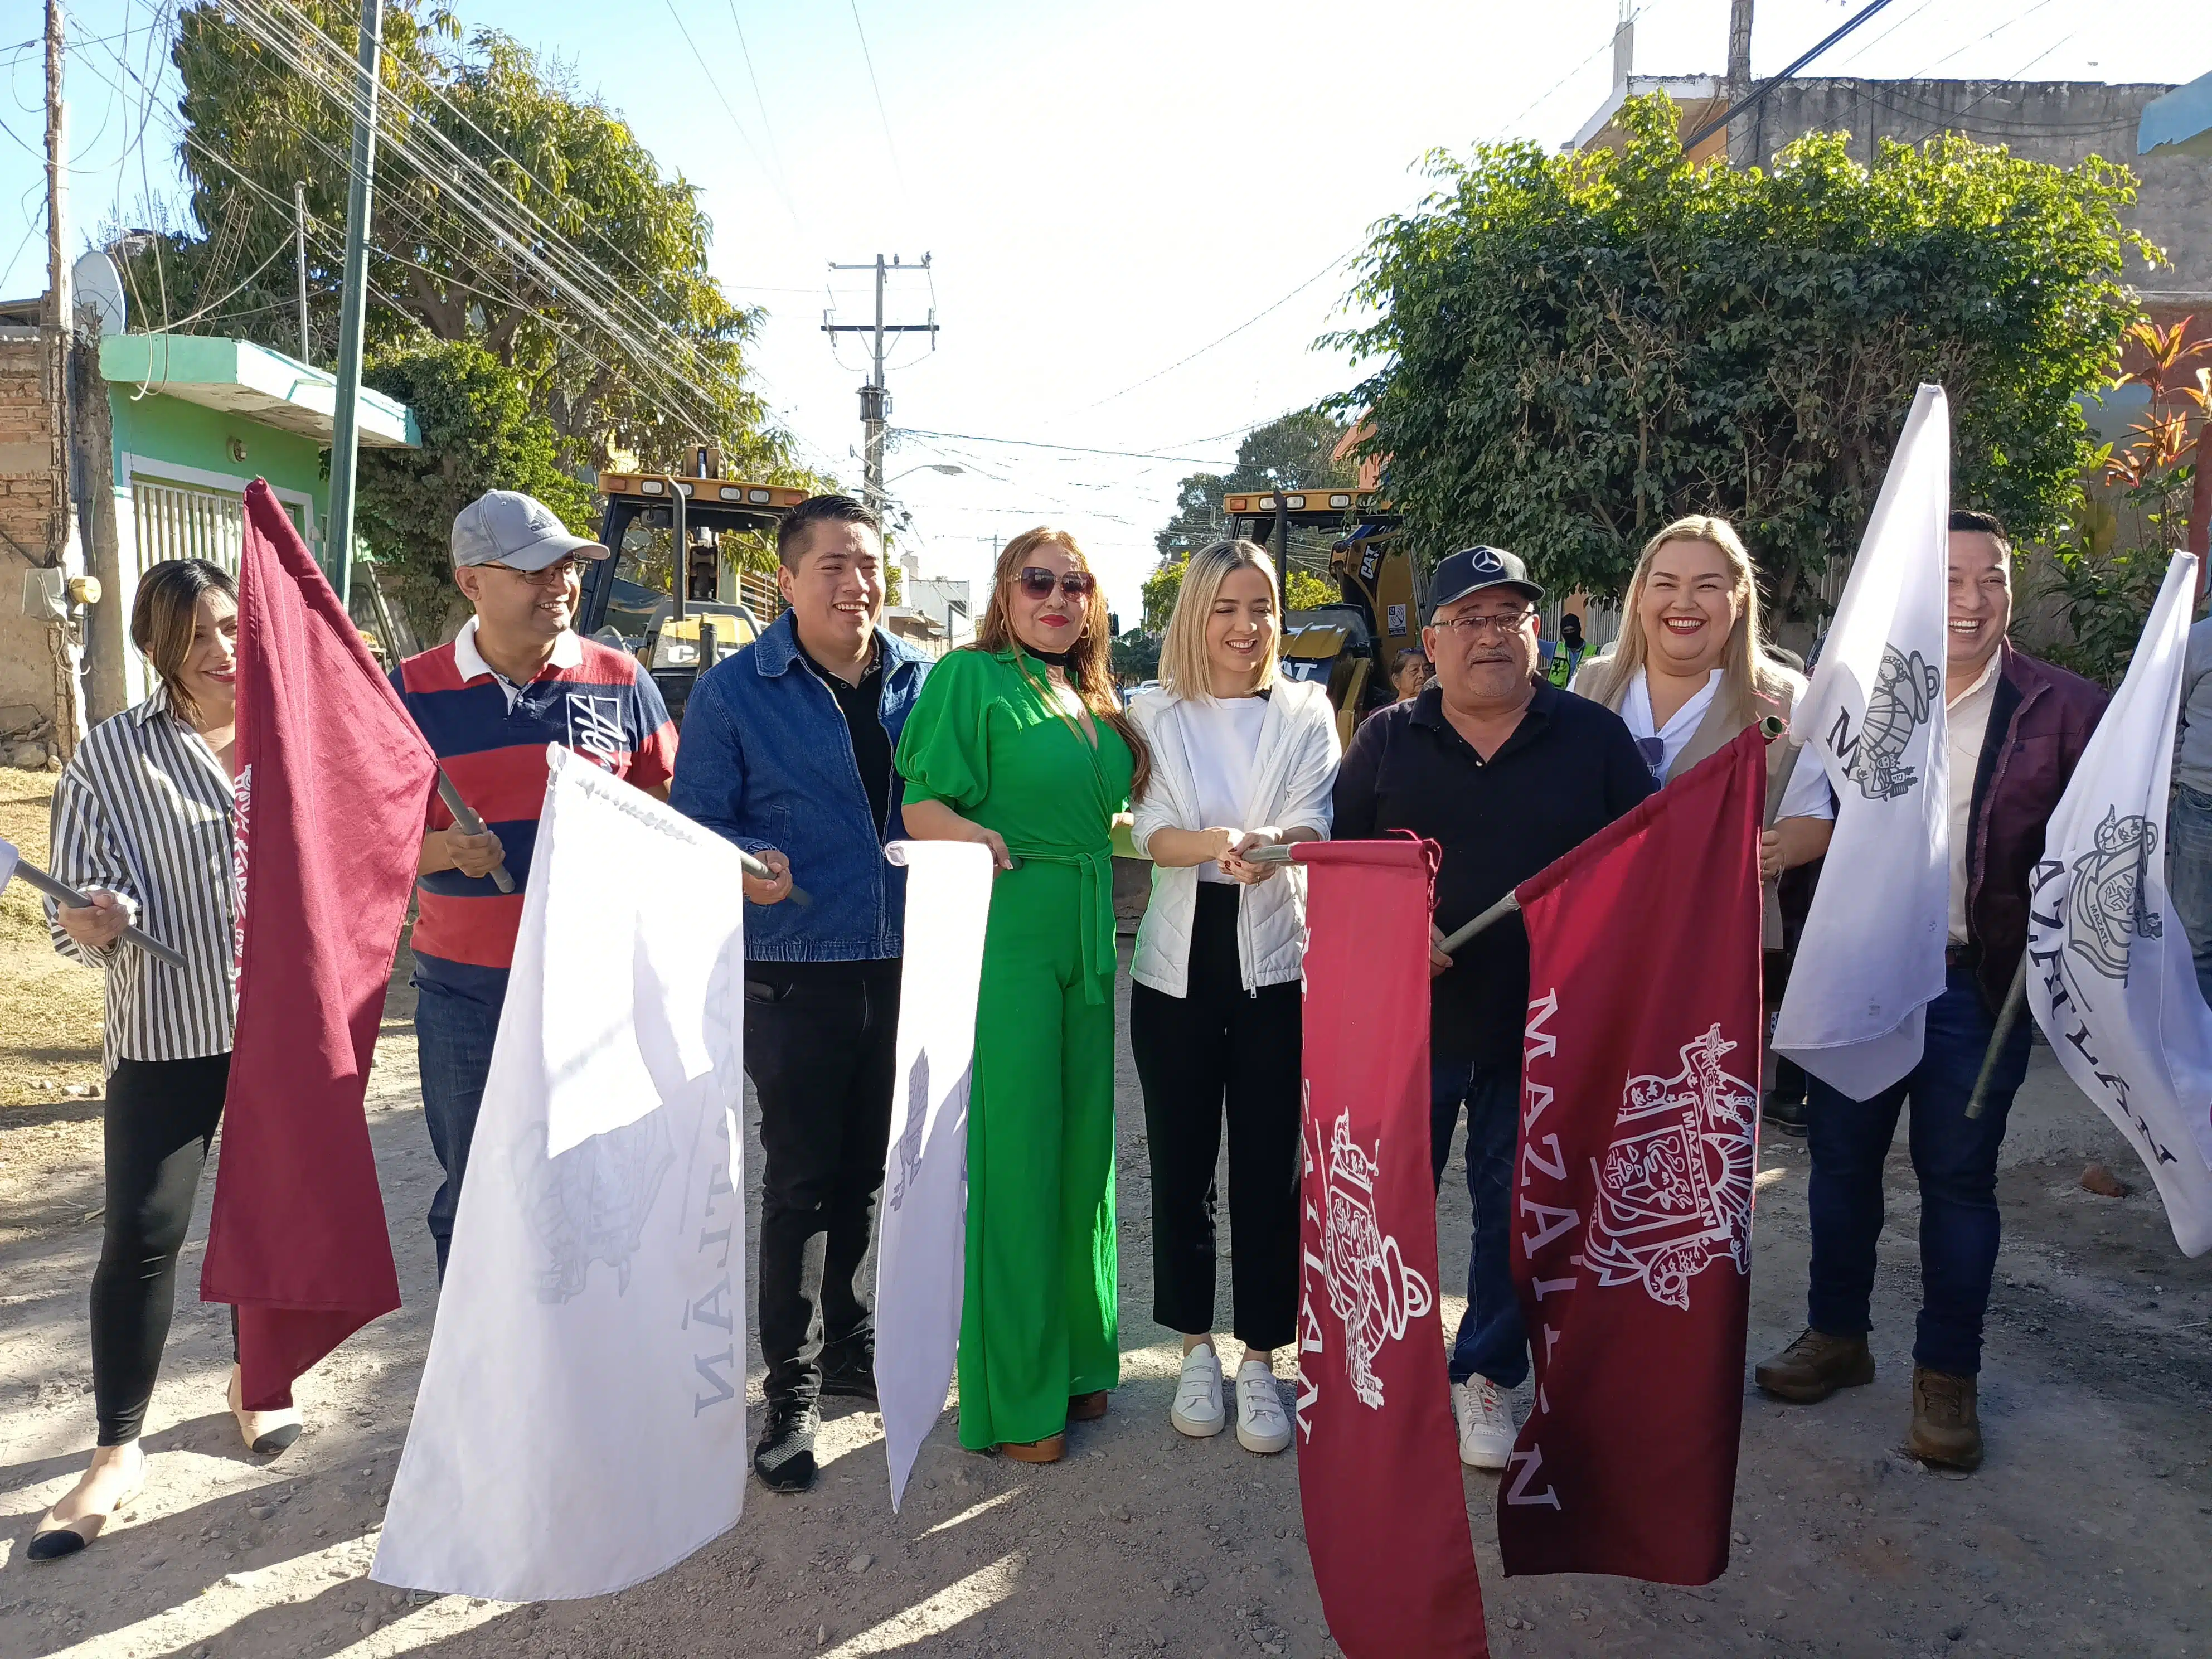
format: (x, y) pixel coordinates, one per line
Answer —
(701, 59)
(1065, 449)
(1332, 264)
(876, 87)
(558, 251)
(1758, 93)
(767, 127)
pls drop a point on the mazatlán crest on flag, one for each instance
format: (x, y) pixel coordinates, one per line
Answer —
(1674, 1189)
(2108, 899)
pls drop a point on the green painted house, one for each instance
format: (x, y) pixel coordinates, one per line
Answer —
(198, 417)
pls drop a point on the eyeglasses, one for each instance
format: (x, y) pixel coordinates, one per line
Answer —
(1037, 583)
(1501, 625)
(559, 573)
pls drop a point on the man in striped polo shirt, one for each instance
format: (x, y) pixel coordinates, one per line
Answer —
(517, 677)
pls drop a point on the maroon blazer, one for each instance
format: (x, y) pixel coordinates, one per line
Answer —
(2039, 723)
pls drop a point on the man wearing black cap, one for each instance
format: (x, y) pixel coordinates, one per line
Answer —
(1505, 772)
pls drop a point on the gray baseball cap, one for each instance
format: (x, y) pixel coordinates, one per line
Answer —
(506, 526)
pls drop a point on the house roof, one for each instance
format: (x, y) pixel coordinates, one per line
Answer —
(252, 380)
(2182, 118)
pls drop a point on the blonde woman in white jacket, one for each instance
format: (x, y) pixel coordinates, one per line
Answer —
(1241, 758)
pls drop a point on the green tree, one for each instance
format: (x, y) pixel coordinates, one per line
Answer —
(1575, 349)
(2103, 577)
(511, 211)
(1298, 449)
(478, 434)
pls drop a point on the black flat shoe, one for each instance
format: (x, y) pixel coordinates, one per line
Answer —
(266, 1432)
(54, 1545)
(784, 1460)
(851, 1374)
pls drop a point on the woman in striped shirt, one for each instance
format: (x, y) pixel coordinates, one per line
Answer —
(141, 825)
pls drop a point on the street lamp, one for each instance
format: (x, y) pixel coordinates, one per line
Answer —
(946, 467)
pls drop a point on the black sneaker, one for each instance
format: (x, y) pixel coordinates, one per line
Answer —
(1787, 1115)
(784, 1460)
(850, 1373)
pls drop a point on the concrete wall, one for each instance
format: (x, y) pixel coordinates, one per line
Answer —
(2061, 122)
(30, 459)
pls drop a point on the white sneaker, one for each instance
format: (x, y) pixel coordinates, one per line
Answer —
(1262, 1424)
(1198, 1395)
(1487, 1428)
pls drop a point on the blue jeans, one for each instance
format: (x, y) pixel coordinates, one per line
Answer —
(1956, 1159)
(1491, 1339)
(454, 1033)
(2189, 875)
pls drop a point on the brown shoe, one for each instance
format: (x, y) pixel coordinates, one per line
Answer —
(1947, 1424)
(1050, 1450)
(1086, 1407)
(1815, 1366)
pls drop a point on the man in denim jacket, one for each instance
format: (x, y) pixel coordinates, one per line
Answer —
(787, 752)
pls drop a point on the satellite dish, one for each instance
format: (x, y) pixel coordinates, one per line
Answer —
(100, 286)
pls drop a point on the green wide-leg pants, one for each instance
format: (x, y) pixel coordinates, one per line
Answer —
(1040, 1318)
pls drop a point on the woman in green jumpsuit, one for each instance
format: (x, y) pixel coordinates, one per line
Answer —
(1017, 742)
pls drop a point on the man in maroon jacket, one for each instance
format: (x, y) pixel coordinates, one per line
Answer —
(2017, 727)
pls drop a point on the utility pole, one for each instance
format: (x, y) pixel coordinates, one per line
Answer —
(875, 397)
(1742, 134)
(1623, 45)
(62, 553)
(337, 544)
(299, 261)
(58, 260)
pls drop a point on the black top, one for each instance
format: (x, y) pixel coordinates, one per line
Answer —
(1568, 770)
(862, 706)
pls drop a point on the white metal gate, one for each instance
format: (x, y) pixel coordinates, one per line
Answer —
(185, 521)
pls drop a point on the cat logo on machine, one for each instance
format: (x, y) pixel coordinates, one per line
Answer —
(1907, 689)
(1674, 1189)
(1375, 1295)
(2110, 904)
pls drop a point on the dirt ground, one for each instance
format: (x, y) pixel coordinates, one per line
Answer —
(2089, 1530)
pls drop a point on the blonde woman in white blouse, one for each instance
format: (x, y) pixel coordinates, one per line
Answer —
(1690, 671)
(1241, 758)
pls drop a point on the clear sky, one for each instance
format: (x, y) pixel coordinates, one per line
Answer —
(1105, 190)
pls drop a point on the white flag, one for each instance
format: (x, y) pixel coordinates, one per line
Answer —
(921, 1253)
(2109, 973)
(1872, 957)
(581, 1421)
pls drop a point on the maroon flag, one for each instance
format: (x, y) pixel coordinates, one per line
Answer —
(333, 781)
(1638, 1140)
(1385, 1510)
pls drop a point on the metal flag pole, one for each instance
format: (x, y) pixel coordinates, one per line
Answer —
(62, 893)
(466, 821)
(2007, 1017)
(1769, 728)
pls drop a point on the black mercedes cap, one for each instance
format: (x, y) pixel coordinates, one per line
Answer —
(1473, 569)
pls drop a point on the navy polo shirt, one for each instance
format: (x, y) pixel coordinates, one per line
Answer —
(1568, 770)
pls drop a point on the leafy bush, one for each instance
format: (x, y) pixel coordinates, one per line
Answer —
(1575, 348)
(477, 434)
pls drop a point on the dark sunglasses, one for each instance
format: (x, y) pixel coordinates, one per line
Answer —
(1037, 583)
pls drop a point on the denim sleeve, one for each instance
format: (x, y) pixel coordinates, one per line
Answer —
(709, 787)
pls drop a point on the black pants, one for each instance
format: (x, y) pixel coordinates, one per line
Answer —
(161, 1115)
(819, 1047)
(1220, 1043)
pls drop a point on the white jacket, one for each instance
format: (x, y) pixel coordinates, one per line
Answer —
(1292, 776)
